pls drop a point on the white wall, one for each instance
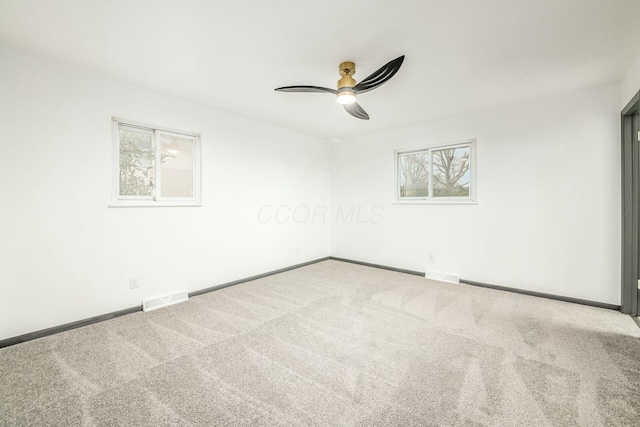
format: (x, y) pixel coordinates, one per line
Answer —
(630, 85)
(65, 256)
(548, 217)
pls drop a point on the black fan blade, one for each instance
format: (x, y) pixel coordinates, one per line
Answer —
(309, 89)
(380, 76)
(356, 111)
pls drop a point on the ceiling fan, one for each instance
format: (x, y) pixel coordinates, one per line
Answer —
(347, 87)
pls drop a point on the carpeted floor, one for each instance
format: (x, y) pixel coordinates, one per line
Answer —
(334, 344)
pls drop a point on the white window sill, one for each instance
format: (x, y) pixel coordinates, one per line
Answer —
(434, 202)
(152, 204)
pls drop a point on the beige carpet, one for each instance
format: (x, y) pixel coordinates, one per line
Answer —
(334, 344)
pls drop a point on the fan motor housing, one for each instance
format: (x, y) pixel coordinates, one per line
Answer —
(347, 69)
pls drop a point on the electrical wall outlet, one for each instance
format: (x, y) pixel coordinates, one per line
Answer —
(431, 258)
(134, 283)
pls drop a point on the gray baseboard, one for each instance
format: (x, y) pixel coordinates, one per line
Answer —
(101, 318)
(490, 286)
(256, 277)
(544, 295)
(67, 326)
(384, 267)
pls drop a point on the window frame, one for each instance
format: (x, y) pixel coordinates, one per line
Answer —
(118, 200)
(430, 199)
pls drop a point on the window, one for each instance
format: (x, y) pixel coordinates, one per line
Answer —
(442, 174)
(155, 167)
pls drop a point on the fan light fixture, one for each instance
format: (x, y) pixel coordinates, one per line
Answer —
(345, 98)
(348, 88)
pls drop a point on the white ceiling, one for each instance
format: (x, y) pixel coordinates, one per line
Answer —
(461, 55)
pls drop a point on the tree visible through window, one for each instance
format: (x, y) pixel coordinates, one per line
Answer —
(451, 176)
(137, 162)
(414, 174)
(436, 173)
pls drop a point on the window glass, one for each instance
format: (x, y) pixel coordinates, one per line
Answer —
(444, 173)
(137, 162)
(177, 166)
(451, 174)
(154, 166)
(413, 174)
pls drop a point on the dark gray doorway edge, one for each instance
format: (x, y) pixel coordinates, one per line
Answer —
(630, 206)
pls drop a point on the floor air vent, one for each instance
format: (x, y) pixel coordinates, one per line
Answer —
(164, 300)
(442, 277)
